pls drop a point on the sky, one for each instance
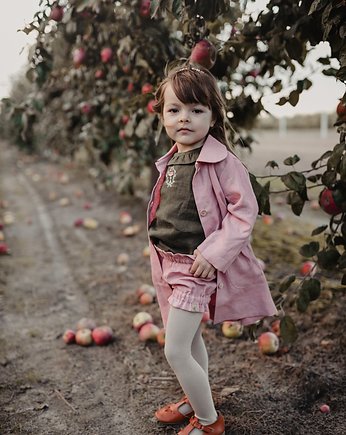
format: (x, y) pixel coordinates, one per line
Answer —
(321, 97)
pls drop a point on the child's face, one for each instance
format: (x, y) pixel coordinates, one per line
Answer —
(186, 124)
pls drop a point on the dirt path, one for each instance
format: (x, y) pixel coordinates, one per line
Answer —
(58, 273)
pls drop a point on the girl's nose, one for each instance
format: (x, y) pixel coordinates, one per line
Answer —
(184, 117)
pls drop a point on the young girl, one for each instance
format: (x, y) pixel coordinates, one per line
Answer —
(200, 218)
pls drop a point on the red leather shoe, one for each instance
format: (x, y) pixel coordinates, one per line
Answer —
(217, 428)
(170, 413)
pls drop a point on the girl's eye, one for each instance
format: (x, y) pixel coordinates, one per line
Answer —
(198, 111)
(173, 110)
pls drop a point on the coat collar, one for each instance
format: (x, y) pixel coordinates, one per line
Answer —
(212, 151)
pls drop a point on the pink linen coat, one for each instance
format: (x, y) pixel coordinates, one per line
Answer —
(228, 209)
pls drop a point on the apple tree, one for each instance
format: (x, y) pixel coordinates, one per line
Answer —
(96, 63)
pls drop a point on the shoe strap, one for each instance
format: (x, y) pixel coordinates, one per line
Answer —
(195, 423)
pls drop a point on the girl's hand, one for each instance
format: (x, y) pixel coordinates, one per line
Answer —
(201, 267)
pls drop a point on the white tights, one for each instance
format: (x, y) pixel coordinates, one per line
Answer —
(187, 355)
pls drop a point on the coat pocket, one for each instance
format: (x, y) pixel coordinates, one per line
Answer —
(245, 270)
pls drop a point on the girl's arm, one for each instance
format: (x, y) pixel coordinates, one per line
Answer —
(222, 246)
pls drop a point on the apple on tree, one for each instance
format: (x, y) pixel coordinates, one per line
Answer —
(204, 53)
(106, 54)
(57, 13)
(78, 56)
(327, 202)
(144, 8)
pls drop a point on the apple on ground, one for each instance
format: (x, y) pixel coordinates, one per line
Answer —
(267, 219)
(69, 336)
(161, 335)
(308, 268)
(268, 343)
(123, 258)
(204, 53)
(4, 249)
(275, 327)
(148, 332)
(325, 409)
(86, 322)
(141, 319)
(125, 217)
(102, 335)
(146, 298)
(84, 337)
(146, 288)
(79, 222)
(131, 230)
(146, 251)
(90, 223)
(232, 329)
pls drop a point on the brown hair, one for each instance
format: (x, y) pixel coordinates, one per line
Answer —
(194, 84)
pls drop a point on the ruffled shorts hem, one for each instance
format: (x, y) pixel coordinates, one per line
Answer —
(192, 304)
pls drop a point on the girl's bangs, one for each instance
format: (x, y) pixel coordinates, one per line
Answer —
(190, 90)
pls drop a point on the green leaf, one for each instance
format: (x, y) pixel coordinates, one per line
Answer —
(286, 283)
(303, 300)
(310, 249)
(296, 202)
(313, 287)
(297, 182)
(272, 164)
(317, 5)
(291, 160)
(288, 330)
(293, 98)
(327, 259)
(319, 230)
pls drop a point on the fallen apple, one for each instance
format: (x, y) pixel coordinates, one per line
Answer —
(146, 251)
(86, 322)
(84, 337)
(2, 236)
(146, 299)
(125, 217)
(131, 230)
(69, 336)
(161, 336)
(141, 319)
(149, 332)
(90, 224)
(146, 288)
(102, 335)
(4, 249)
(123, 258)
(79, 222)
(268, 343)
(232, 329)
(275, 327)
(64, 202)
(325, 409)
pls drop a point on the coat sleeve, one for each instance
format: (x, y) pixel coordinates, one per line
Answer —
(222, 246)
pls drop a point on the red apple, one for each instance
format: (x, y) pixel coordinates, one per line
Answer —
(125, 217)
(146, 251)
(267, 219)
(341, 109)
(268, 343)
(144, 9)
(150, 106)
(84, 337)
(146, 299)
(130, 87)
(147, 88)
(122, 134)
(325, 409)
(85, 108)
(125, 119)
(78, 222)
(161, 336)
(102, 335)
(86, 322)
(327, 202)
(87, 206)
(141, 319)
(106, 54)
(99, 74)
(232, 329)
(56, 13)
(146, 288)
(69, 336)
(79, 56)
(149, 332)
(275, 327)
(204, 53)
(308, 268)
(4, 249)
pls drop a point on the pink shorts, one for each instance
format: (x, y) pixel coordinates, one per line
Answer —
(186, 291)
